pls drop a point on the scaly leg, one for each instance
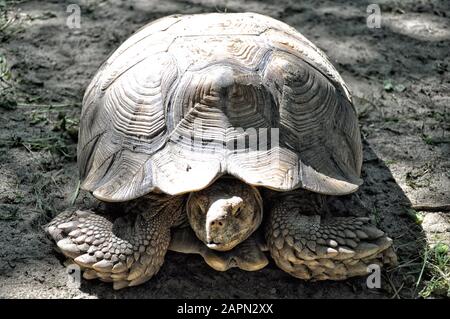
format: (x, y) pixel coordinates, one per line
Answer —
(310, 247)
(127, 252)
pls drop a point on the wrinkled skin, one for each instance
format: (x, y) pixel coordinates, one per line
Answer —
(225, 214)
(223, 228)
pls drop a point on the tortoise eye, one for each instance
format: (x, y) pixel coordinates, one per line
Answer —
(237, 212)
(201, 209)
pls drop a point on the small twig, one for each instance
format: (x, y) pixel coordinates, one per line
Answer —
(54, 181)
(393, 288)
(33, 156)
(431, 208)
(75, 195)
(392, 130)
(7, 24)
(49, 106)
(428, 207)
(425, 260)
(408, 264)
(398, 291)
(402, 235)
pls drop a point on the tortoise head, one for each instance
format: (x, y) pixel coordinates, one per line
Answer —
(225, 213)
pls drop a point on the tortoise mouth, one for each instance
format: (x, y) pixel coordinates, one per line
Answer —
(213, 245)
(223, 246)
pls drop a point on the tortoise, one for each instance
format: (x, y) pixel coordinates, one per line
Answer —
(224, 135)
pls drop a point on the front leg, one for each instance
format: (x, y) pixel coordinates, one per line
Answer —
(127, 252)
(307, 246)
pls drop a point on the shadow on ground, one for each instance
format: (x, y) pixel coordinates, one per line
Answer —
(386, 204)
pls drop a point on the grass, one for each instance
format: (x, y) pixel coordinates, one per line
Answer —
(434, 141)
(436, 266)
(419, 177)
(425, 274)
(391, 119)
(42, 197)
(416, 216)
(428, 140)
(5, 72)
(403, 277)
(54, 144)
(438, 116)
(390, 162)
(8, 99)
(55, 116)
(376, 217)
(9, 214)
(8, 25)
(59, 140)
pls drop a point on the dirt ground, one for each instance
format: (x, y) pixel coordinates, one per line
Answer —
(398, 74)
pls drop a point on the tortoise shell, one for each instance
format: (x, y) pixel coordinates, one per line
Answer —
(190, 98)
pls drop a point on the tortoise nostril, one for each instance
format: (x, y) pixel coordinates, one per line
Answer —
(216, 224)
